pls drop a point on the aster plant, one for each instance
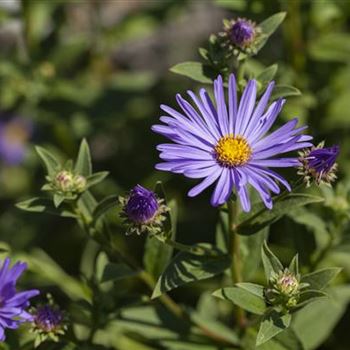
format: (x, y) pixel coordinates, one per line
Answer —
(230, 138)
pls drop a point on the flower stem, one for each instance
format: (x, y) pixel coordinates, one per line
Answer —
(236, 268)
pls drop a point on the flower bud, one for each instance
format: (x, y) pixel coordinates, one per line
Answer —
(64, 181)
(79, 183)
(143, 211)
(284, 289)
(319, 164)
(242, 32)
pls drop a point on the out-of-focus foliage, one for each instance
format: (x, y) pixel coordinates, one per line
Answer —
(99, 70)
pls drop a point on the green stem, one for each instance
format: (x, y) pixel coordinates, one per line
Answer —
(236, 268)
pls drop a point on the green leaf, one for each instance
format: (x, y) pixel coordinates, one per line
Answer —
(267, 74)
(195, 70)
(105, 205)
(243, 298)
(96, 178)
(260, 217)
(271, 263)
(44, 205)
(186, 268)
(272, 324)
(83, 164)
(320, 278)
(253, 288)
(309, 296)
(315, 322)
(294, 265)
(268, 27)
(51, 163)
(284, 91)
(116, 272)
(57, 200)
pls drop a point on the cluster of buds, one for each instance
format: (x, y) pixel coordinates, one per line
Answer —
(284, 289)
(67, 183)
(241, 34)
(318, 164)
(48, 322)
(143, 211)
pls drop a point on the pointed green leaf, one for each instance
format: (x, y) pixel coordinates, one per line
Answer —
(187, 267)
(271, 263)
(320, 278)
(272, 324)
(243, 298)
(44, 205)
(195, 70)
(284, 91)
(267, 74)
(116, 272)
(96, 178)
(294, 265)
(268, 27)
(83, 164)
(57, 200)
(309, 296)
(51, 163)
(260, 217)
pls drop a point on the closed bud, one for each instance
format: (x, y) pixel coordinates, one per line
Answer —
(79, 183)
(64, 181)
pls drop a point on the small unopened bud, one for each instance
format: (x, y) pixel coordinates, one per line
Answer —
(64, 181)
(79, 183)
(284, 289)
(143, 211)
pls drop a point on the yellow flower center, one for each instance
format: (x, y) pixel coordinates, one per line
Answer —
(232, 151)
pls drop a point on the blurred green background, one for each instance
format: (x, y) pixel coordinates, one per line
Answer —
(100, 69)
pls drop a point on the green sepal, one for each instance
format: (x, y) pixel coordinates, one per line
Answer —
(83, 165)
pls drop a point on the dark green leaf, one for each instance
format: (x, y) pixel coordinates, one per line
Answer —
(57, 200)
(187, 267)
(253, 288)
(319, 279)
(260, 217)
(272, 324)
(44, 205)
(115, 272)
(105, 205)
(294, 265)
(243, 298)
(51, 163)
(271, 263)
(194, 70)
(309, 296)
(83, 164)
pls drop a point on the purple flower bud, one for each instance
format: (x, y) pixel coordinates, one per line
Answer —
(242, 32)
(48, 318)
(141, 206)
(319, 163)
(322, 160)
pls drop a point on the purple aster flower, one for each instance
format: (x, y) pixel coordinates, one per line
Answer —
(319, 163)
(229, 145)
(14, 135)
(13, 304)
(242, 32)
(143, 211)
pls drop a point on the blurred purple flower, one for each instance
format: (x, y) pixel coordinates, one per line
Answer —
(48, 318)
(13, 304)
(14, 135)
